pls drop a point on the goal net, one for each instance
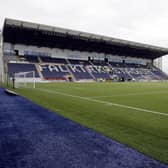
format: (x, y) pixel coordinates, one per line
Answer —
(25, 79)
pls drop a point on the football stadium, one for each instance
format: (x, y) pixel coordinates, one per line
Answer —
(72, 99)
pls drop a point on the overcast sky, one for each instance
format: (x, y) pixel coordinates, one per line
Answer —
(137, 20)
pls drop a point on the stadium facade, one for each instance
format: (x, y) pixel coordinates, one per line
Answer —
(60, 54)
(1, 59)
(159, 63)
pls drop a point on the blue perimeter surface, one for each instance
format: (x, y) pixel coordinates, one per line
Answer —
(33, 137)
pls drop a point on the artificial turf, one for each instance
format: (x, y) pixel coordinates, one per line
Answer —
(87, 104)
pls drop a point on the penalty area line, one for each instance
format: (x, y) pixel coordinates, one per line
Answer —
(104, 102)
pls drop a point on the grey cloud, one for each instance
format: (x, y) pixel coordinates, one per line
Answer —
(138, 20)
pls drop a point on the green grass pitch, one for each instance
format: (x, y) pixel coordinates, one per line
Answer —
(135, 114)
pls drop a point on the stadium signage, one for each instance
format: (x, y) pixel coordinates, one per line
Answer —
(74, 68)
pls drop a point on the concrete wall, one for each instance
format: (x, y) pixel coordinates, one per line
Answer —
(164, 64)
(158, 63)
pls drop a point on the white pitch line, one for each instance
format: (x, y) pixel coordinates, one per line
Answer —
(74, 87)
(131, 94)
(104, 102)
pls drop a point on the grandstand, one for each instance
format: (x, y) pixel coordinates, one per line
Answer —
(95, 124)
(57, 54)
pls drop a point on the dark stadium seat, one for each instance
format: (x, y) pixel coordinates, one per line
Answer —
(59, 69)
(33, 59)
(53, 60)
(54, 72)
(79, 69)
(21, 67)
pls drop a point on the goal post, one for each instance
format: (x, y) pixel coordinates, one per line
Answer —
(25, 79)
